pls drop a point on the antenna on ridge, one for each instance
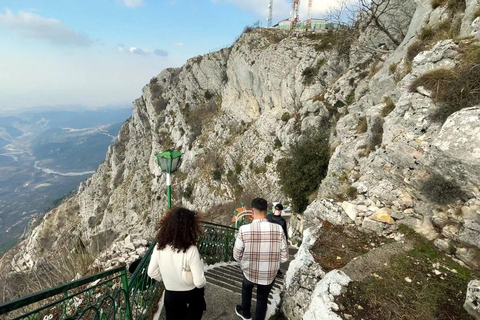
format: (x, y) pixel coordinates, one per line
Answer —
(270, 8)
(309, 15)
(294, 13)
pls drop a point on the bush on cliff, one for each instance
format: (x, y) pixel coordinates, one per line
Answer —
(302, 171)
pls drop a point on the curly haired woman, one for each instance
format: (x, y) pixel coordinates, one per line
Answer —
(176, 250)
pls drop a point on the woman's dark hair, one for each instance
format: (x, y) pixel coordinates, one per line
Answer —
(179, 228)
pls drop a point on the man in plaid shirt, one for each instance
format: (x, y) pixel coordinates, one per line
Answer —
(260, 247)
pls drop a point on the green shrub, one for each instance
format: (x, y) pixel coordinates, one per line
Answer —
(286, 116)
(351, 193)
(350, 98)
(442, 191)
(303, 169)
(277, 144)
(260, 170)
(268, 158)
(238, 168)
(188, 191)
(208, 95)
(217, 174)
(309, 74)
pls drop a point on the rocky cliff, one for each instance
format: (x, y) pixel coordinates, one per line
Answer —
(236, 112)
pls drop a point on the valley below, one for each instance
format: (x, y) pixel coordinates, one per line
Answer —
(44, 157)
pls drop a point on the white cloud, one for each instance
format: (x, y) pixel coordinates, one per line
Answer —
(133, 3)
(282, 8)
(138, 51)
(34, 26)
(142, 52)
(178, 44)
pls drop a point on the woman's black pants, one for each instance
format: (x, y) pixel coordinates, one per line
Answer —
(185, 305)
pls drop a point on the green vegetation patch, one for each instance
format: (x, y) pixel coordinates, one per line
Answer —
(409, 288)
(455, 89)
(304, 167)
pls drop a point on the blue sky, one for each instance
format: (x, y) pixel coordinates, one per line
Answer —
(102, 52)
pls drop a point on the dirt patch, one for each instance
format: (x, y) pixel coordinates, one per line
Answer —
(337, 245)
(422, 283)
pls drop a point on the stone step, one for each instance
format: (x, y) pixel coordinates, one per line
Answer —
(237, 289)
(237, 270)
(234, 277)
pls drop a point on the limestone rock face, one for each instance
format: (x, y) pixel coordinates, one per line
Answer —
(322, 305)
(302, 277)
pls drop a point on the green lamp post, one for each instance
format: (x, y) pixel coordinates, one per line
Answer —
(169, 161)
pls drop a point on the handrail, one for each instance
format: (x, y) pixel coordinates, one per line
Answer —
(35, 297)
(116, 296)
(218, 225)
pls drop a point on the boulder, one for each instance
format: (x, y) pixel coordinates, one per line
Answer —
(373, 225)
(383, 215)
(472, 300)
(322, 305)
(350, 209)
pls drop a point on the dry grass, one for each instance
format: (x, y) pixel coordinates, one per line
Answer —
(455, 89)
(453, 6)
(389, 106)
(362, 125)
(429, 35)
(48, 273)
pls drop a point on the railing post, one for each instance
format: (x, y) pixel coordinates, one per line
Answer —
(128, 311)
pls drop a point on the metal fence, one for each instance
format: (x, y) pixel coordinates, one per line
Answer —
(112, 294)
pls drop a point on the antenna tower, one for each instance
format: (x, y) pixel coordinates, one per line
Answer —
(294, 13)
(270, 8)
(309, 15)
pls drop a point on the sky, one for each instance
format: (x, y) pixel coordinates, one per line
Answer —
(97, 53)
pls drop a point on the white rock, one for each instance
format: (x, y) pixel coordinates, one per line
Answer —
(472, 300)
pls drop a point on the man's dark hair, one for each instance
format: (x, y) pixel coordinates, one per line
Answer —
(179, 228)
(259, 204)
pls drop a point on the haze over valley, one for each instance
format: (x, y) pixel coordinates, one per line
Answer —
(43, 158)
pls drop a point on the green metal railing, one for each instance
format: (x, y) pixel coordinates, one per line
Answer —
(93, 297)
(111, 294)
(216, 245)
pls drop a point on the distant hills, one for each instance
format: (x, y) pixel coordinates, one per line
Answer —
(44, 156)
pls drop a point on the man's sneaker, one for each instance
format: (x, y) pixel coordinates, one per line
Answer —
(239, 312)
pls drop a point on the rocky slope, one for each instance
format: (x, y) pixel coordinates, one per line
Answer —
(236, 112)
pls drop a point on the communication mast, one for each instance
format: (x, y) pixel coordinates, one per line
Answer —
(270, 8)
(309, 15)
(294, 13)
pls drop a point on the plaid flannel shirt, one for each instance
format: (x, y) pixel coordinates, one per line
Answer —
(260, 247)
